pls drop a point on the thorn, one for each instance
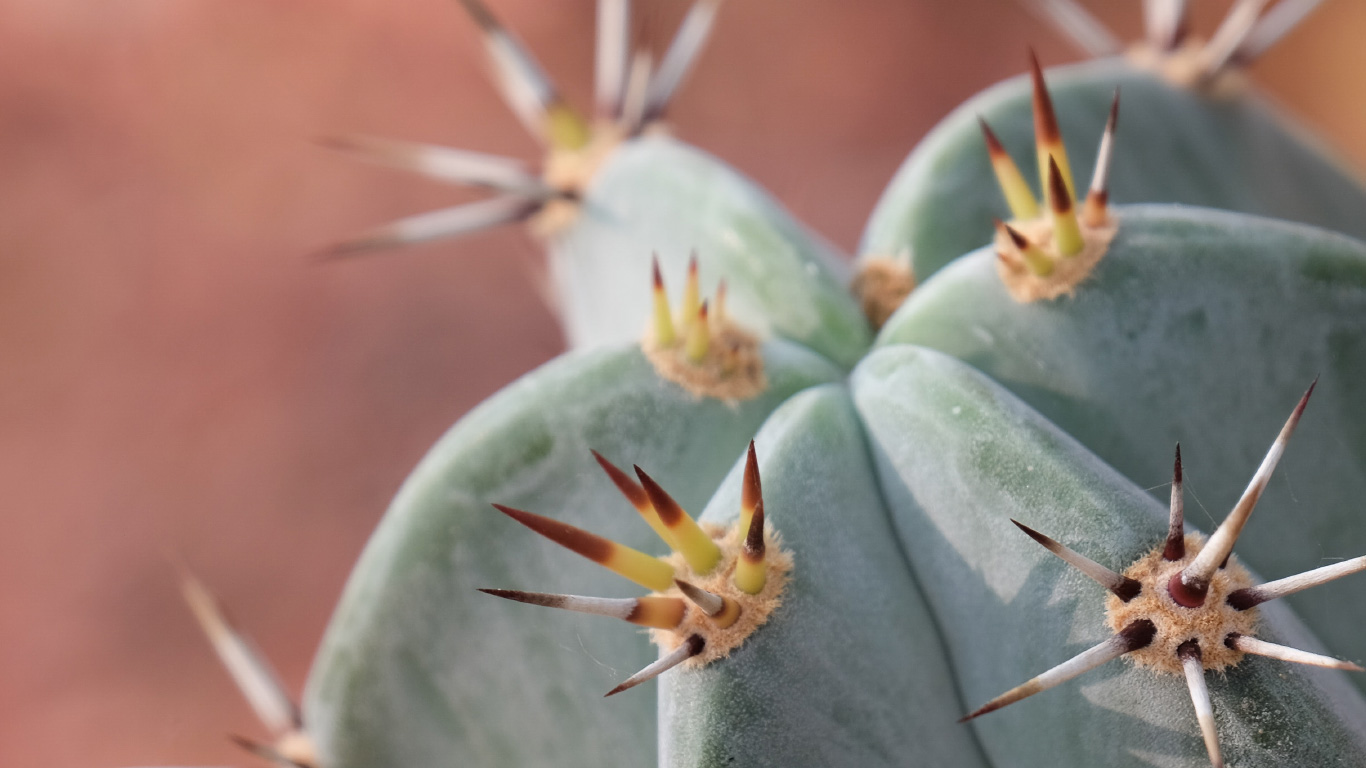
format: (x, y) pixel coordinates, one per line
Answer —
(1078, 25)
(1189, 653)
(699, 336)
(650, 611)
(524, 84)
(719, 303)
(693, 543)
(613, 55)
(1035, 259)
(1273, 651)
(649, 572)
(265, 752)
(1195, 577)
(1165, 22)
(1176, 526)
(1231, 35)
(1122, 586)
(1016, 190)
(1133, 637)
(692, 298)
(1095, 212)
(664, 324)
(249, 670)
(722, 610)
(751, 571)
(679, 59)
(751, 488)
(1066, 231)
(633, 101)
(1047, 136)
(690, 648)
(448, 222)
(1282, 19)
(636, 495)
(454, 166)
(1253, 596)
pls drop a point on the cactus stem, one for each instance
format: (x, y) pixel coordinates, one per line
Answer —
(751, 570)
(1133, 637)
(525, 85)
(1123, 587)
(1166, 23)
(650, 611)
(1047, 136)
(689, 539)
(1257, 647)
(1175, 548)
(722, 610)
(1034, 258)
(1016, 190)
(1277, 23)
(1095, 213)
(699, 336)
(1231, 34)
(266, 752)
(649, 572)
(663, 315)
(1066, 229)
(1195, 578)
(1189, 653)
(637, 496)
(447, 222)
(253, 675)
(688, 649)
(751, 488)
(454, 166)
(611, 57)
(692, 295)
(680, 57)
(1244, 599)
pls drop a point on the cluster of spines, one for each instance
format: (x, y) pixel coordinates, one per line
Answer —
(1189, 588)
(683, 535)
(695, 318)
(1244, 35)
(628, 96)
(1055, 178)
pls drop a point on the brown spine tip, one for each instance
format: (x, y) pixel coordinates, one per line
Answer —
(668, 510)
(591, 546)
(1045, 119)
(1188, 595)
(994, 147)
(702, 311)
(1176, 527)
(752, 489)
(1058, 198)
(1017, 238)
(628, 487)
(658, 277)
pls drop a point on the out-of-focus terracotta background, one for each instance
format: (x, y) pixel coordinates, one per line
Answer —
(180, 379)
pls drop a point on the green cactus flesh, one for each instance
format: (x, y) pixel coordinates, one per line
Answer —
(418, 668)
(1174, 145)
(850, 670)
(958, 457)
(1198, 327)
(657, 195)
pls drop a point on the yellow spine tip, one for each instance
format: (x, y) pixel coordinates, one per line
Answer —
(699, 336)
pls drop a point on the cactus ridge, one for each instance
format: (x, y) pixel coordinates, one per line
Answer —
(1187, 609)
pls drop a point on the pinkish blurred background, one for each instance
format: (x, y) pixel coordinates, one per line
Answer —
(179, 378)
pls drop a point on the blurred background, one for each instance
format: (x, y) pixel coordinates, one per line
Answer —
(180, 379)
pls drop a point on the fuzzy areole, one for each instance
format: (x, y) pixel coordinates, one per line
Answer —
(732, 369)
(1068, 271)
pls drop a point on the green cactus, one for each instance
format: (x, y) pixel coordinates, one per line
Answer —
(853, 583)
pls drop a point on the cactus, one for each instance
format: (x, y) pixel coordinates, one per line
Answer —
(853, 582)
